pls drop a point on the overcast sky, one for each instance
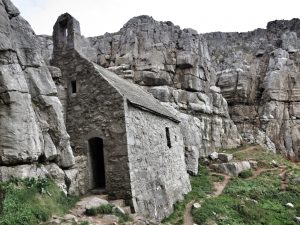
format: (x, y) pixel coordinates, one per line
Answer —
(99, 16)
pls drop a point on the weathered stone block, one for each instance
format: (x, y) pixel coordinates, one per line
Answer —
(234, 168)
(225, 157)
(185, 60)
(162, 93)
(191, 159)
(149, 78)
(192, 83)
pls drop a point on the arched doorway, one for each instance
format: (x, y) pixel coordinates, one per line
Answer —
(97, 162)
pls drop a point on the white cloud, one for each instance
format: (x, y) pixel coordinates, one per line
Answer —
(99, 16)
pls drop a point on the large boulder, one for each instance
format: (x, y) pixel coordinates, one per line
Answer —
(32, 128)
(232, 168)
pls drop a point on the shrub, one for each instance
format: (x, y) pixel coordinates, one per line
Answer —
(245, 174)
(84, 223)
(31, 201)
(108, 209)
(102, 209)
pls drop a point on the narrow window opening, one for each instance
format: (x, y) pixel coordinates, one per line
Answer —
(168, 137)
(73, 87)
(63, 32)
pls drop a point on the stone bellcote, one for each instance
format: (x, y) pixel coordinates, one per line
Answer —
(66, 34)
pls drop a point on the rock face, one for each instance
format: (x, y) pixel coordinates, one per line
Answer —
(32, 127)
(205, 80)
(258, 73)
(174, 66)
(232, 168)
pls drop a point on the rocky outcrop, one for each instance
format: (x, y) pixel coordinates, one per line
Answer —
(258, 73)
(231, 168)
(174, 66)
(32, 128)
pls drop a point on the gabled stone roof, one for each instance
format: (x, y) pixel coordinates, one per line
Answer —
(135, 95)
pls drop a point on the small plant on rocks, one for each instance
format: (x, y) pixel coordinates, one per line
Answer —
(108, 209)
(246, 174)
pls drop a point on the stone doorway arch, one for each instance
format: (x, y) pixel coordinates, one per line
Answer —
(96, 163)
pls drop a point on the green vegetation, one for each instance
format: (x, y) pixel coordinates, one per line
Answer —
(217, 178)
(261, 200)
(108, 209)
(257, 201)
(201, 186)
(246, 174)
(257, 153)
(31, 201)
(103, 209)
(84, 223)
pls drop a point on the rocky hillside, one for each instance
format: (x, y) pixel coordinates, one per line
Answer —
(32, 129)
(223, 86)
(258, 73)
(174, 66)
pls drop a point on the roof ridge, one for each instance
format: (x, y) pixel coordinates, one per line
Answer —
(135, 94)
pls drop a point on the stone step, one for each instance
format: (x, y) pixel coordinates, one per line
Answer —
(105, 197)
(99, 191)
(127, 209)
(118, 202)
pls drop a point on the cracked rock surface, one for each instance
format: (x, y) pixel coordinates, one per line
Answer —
(174, 65)
(259, 75)
(32, 127)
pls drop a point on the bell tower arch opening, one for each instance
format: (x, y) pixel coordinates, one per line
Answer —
(63, 32)
(97, 164)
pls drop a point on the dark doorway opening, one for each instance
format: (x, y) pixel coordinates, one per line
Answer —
(97, 162)
(73, 86)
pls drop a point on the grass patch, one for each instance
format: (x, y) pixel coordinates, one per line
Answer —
(84, 223)
(108, 209)
(256, 201)
(257, 153)
(31, 201)
(245, 202)
(217, 177)
(201, 186)
(103, 209)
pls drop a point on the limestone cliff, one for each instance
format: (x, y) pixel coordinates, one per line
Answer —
(259, 75)
(32, 129)
(174, 66)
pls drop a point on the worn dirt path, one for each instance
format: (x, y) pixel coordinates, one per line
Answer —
(77, 214)
(219, 186)
(259, 171)
(188, 218)
(218, 189)
(283, 174)
(250, 148)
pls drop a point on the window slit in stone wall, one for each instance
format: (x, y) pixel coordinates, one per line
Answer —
(73, 86)
(168, 137)
(63, 32)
